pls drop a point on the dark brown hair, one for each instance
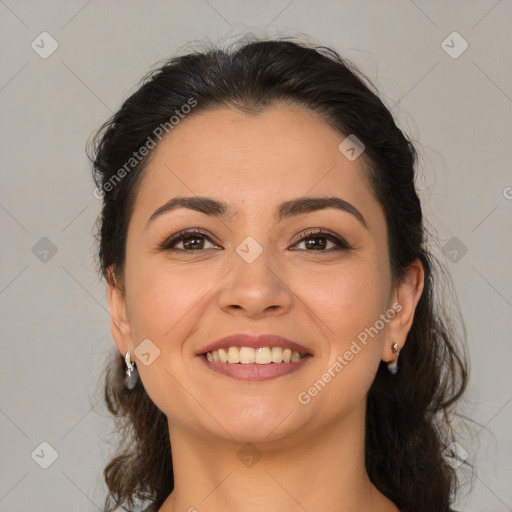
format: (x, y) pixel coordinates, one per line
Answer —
(408, 421)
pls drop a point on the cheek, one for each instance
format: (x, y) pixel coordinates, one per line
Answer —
(163, 295)
(347, 304)
(347, 298)
(165, 304)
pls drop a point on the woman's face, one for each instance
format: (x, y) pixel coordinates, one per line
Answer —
(248, 271)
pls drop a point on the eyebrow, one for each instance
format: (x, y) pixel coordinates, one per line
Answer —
(287, 209)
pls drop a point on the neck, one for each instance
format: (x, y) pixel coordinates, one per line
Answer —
(313, 471)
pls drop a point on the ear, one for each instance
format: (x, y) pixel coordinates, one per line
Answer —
(119, 322)
(405, 298)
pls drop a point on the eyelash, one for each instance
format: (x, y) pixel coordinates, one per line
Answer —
(167, 245)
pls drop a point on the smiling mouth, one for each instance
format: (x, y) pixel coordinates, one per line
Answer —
(269, 363)
(249, 355)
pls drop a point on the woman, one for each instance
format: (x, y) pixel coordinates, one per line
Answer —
(271, 295)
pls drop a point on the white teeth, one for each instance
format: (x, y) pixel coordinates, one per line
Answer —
(277, 354)
(263, 355)
(233, 355)
(295, 357)
(249, 355)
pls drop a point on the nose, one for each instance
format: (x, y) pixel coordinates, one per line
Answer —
(256, 287)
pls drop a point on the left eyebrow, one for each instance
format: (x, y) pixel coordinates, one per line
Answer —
(311, 204)
(287, 209)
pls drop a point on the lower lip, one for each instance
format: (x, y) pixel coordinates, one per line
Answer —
(255, 371)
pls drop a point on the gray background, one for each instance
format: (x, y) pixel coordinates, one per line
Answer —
(55, 332)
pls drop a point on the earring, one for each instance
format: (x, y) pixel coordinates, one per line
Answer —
(129, 364)
(132, 375)
(393, 366)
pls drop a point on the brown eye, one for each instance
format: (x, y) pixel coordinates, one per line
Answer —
(318, 240)
(193, 240)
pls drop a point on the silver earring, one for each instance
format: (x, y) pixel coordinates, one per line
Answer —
(132, 375)
(393, 366)
(129, 364)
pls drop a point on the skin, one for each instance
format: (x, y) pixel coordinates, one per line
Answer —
(321, 298)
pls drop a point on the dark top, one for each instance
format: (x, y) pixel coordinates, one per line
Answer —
(449, 510)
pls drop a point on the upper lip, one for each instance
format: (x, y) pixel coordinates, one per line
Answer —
(254, 341)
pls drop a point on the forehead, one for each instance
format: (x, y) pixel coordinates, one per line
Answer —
(283, 152)
(283, 131)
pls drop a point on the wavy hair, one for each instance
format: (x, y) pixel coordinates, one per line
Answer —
(409, 415)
